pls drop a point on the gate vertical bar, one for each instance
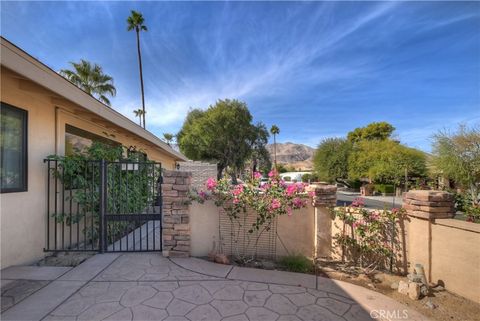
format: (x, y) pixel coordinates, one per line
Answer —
(48, 205)
(161, 207)
(102, 195)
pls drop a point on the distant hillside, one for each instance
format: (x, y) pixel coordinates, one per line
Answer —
(297, 155)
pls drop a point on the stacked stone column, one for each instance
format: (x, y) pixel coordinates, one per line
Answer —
(176, 215)
(424, 207)
(429, 204)
(325, 196)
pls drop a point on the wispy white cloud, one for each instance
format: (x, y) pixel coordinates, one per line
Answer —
(260, 66)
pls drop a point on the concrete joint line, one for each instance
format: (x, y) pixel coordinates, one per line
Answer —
(80, 288)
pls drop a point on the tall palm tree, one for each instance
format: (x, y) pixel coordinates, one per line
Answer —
(275, 131)
(91, 79)
(168, 138)
(138, 113)
(135, 22)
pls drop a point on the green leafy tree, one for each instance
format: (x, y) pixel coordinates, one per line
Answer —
(373, 131)
(331, 159)
(260, 158)
(385, 161)
(136, 22)
(457, 155)
(223, 133)
(274, 130)
(91, 79)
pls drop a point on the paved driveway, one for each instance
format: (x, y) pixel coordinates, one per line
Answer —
(151, 287)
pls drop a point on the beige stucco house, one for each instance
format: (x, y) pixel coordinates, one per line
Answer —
(40, 111)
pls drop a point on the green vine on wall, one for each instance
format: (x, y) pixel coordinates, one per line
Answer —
(131, 182)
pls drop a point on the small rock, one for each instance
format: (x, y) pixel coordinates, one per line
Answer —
(222, 259)
(414, 278)
(394, 285)
(327, 269)
(403, 287)
(379, 277)
(438, 288)
(371, 285)
(268, 265)
(429, 304)
(414, 291)
(424, 290)
(211, 256)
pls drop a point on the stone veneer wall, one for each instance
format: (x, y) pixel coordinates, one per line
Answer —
(176, 215)
(200, 172)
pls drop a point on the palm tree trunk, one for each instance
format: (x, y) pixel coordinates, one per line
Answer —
(141, 76)
(275, 150)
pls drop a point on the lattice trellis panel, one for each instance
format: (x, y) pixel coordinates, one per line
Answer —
(238, 241)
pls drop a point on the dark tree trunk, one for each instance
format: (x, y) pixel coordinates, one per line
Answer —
(219, 171)
(233, 175)
(141, 75)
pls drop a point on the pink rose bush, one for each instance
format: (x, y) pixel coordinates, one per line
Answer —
(368, 238)
(268, 201)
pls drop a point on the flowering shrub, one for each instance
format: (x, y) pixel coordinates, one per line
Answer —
(368, 238)
(268, 201)
(470, 206)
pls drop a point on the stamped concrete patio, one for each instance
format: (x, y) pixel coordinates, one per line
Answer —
(151, 287)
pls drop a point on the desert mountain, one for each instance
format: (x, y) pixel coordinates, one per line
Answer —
(297, 155)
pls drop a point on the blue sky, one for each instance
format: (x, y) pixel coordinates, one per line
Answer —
(316, 69)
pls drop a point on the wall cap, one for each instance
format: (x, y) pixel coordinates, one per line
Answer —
(462, 225)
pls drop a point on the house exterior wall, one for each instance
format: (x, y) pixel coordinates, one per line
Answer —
(23, 213)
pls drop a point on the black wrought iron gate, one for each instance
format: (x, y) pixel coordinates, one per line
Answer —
(103, 206)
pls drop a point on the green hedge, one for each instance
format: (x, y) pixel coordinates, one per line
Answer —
(384, 188)
(309, 177)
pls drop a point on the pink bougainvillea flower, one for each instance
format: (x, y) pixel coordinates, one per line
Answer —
(291, 189)
(211, 183)
(311, 193)
(300, 187)
(266, 186)
(257, 175)
(358, 202)
(358, 223)
(202, 195)
(289, 211)
(374, 216)
(297, 202)
(275, 204)
(235, 200)
(273, 173)
(237, 190)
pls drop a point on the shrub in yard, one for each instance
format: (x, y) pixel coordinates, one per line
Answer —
(309, 177)
(384, 188)
(296, 263)
(367, 238)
